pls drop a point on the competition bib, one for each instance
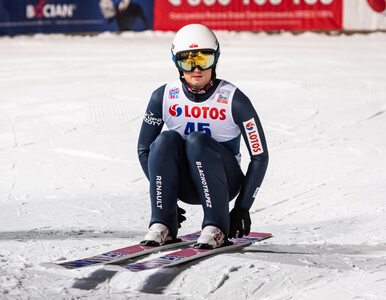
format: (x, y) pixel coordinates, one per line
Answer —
(212, 116)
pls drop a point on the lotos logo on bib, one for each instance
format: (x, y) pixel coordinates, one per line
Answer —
(198, 112)
(175, 110)
(253, 137)
(205, 112)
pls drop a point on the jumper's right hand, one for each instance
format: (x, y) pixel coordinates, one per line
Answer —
(181, 218)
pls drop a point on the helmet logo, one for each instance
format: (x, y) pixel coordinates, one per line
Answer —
(194, 45)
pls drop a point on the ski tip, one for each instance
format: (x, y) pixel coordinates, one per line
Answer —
(260, 234)
(51, 265)
(116, 268)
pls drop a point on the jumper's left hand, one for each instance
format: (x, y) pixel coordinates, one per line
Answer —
(240, 222)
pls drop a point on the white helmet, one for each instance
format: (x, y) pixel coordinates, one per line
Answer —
(194, 37)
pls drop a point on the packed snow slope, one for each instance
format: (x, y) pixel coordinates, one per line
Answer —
(71, 186)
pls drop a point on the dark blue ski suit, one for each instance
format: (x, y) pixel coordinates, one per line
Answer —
(187, 163)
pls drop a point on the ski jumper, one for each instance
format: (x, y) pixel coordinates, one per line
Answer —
(197, 160)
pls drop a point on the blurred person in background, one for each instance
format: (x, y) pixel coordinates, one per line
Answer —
(125, 12)
(197, 160)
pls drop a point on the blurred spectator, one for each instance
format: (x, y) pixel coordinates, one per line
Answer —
(125, 12)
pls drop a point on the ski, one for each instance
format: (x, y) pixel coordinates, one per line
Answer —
(119, 255)
(188, 254)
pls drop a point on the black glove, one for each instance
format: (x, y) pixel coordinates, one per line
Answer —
(240, 222)
(181, 218)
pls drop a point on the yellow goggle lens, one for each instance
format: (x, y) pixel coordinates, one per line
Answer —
(188, 61)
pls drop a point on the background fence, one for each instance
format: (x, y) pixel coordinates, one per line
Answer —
(72, 16)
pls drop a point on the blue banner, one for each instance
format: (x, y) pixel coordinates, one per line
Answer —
(74, 16)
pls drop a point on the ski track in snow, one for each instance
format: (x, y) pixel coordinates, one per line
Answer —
(71, 185)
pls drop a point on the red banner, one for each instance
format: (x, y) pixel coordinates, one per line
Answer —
(249, 14)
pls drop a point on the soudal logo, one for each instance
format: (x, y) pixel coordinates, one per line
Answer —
(50, 10)
(253, 137)
(204, 112)
(194, 45)
(222, 99)
(175, 110)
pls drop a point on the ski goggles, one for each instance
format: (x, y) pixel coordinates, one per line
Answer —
(187, 61)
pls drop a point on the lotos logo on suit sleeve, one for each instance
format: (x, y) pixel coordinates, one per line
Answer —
(253, 136)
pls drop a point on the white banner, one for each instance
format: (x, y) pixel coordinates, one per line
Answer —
(364, 15)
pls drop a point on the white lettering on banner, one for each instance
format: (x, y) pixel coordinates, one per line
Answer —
(158, 184)
(198, 2)
(224, 2)
(175, 2)
(248, 2)
(263, 2)
(194, 2)
(30, 11)
(253, 137)
(50, 11)
(204, 184)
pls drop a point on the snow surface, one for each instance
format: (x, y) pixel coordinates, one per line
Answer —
(71, 185)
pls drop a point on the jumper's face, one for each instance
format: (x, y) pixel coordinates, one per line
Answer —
(197, 78)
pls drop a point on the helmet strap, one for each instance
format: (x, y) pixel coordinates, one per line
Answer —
(214, 73)
(200, 91)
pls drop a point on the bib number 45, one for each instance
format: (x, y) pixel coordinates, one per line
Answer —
(201, 127)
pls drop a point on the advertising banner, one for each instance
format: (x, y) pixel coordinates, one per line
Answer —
(364, 15)
(66, 16)
(249, 14)
(77, 16)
